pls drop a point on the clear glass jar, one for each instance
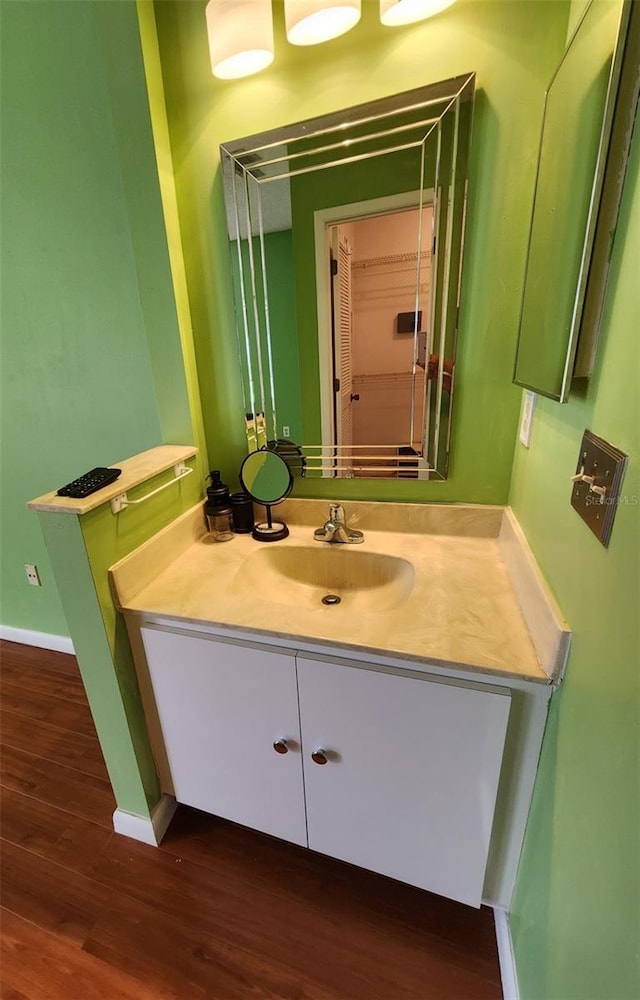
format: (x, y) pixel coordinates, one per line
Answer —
(219, 523)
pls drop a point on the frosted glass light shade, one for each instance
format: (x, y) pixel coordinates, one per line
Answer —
(240, 37)
(393, 12)
(312, 21)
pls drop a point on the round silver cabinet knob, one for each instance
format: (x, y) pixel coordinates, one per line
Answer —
(319, 756)
(280, 746)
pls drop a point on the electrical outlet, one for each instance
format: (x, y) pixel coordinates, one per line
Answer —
(32, 574)
(526, 420)
(286, 431)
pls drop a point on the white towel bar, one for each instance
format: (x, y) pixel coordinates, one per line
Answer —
(181, 471)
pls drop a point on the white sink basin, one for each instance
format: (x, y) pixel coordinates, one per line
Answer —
(302, 575)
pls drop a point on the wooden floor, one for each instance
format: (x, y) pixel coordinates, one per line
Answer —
(217, 912)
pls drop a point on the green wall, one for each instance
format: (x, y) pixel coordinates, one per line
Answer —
(513, 47)
(575, 920)
(91, 362)
(282, 305)
(282, 319)
(81, 550)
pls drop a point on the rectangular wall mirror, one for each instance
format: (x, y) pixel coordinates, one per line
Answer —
(346, 237)
(578, 115)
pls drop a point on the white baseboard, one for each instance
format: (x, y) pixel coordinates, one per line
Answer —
(60, 643)
(148, 831)
(508, 973)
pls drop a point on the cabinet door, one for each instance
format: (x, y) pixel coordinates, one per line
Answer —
(412, 770)
(221, 707)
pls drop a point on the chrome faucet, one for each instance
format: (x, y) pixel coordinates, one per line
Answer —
(336, 530)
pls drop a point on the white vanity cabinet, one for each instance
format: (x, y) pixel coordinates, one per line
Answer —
(393, 771)
(411, 778)
(221, 706)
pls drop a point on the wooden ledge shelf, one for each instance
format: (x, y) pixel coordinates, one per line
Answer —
(135, 470)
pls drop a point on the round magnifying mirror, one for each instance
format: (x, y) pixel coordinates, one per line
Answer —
(267, 478)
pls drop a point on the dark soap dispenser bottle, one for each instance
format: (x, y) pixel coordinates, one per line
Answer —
(218, 509)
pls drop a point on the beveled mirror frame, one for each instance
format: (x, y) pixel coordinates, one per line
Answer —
(432, 123)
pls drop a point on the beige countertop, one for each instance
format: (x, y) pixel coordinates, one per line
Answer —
(462, 611)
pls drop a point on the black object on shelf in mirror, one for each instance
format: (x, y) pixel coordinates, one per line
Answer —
(406, 322)
(292, 454)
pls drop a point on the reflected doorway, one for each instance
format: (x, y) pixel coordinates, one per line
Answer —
(380, 282)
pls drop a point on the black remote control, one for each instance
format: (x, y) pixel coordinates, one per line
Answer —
(89, 483)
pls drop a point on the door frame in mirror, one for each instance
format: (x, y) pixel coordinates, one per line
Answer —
(322, 218)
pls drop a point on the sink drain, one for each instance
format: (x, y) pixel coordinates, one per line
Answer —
(331, 599)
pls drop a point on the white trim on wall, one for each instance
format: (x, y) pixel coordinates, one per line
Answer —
(510, 990)
(60, 643)
(148, 831)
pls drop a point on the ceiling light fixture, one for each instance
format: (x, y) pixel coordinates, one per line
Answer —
(240, 37)
(393, 12)
(312, 21)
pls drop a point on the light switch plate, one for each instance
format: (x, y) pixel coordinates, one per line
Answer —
(596, 484)
(526, 420)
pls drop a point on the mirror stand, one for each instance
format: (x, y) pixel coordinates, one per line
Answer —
(267, 478)
(269, 531)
